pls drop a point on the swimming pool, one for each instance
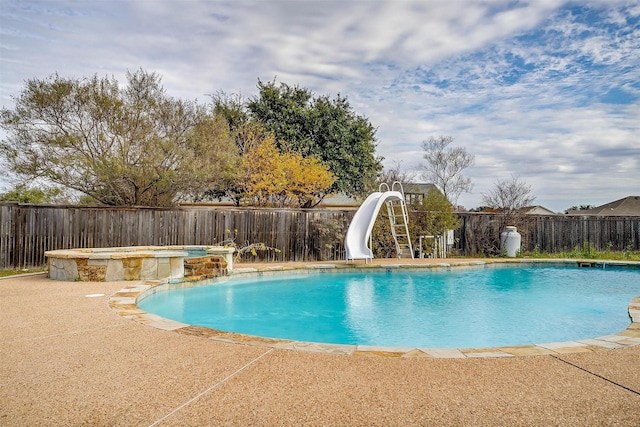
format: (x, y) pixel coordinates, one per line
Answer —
(486, 306)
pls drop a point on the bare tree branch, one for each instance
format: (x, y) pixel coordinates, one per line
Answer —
(444, 167)
(509, 196)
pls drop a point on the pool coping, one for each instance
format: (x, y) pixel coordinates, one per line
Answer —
(124, 303)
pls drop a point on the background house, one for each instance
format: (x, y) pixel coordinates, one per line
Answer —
(628, 206)
(340, 200)
(537, 210)
(413, 193)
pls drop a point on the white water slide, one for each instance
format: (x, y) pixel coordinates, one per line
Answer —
(359, 232)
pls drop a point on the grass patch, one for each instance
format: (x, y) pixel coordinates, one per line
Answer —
(14, 272)
(587, 252)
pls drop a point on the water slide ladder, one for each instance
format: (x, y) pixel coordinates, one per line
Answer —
(357, 241)
(399, 221)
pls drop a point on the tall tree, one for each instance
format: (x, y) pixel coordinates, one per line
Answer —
(326, 128)
(247, 134)
(131, 145)
(444, 167)
(271, 178)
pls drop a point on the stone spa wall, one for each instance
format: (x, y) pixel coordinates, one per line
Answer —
(139, 263)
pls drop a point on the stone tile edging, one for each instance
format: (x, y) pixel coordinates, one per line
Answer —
(124, 303)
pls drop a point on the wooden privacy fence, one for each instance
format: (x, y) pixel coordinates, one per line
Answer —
(552, 234)
(27, 231)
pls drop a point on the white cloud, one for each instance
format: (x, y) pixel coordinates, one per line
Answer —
(545, 90)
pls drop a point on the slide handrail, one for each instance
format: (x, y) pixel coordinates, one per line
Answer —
(399, 184)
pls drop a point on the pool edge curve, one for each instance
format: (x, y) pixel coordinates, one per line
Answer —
(124, 303)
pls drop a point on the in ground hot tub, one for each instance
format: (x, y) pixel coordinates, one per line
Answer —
(137, 262)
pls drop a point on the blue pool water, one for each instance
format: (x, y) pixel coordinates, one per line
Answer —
(479, 307)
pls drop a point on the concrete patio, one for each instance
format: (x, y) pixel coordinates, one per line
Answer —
(68, 359)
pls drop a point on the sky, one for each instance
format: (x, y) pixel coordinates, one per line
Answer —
(545, 91)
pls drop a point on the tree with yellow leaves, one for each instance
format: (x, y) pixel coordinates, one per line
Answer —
(283, 179)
